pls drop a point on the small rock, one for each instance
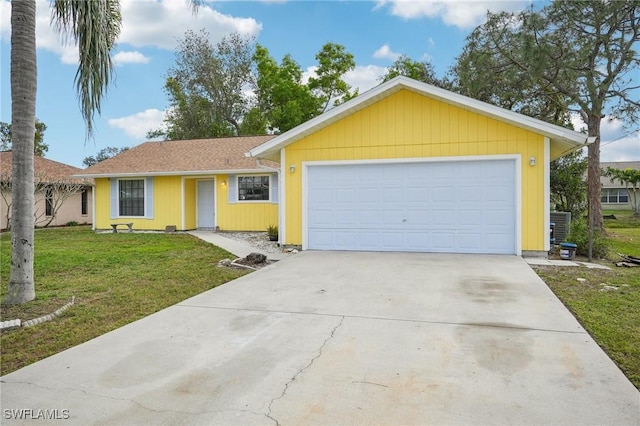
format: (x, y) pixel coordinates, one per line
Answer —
(9, 325)
(294, 251)
(582, 280)
(224, 262)
(607, 287)
(256, 258)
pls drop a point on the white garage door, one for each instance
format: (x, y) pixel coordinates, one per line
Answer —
(451, 207)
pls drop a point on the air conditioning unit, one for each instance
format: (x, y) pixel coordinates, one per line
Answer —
(562, 226)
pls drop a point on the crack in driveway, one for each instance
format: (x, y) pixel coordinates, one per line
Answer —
(295, 376)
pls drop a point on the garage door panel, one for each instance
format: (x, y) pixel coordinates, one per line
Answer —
(450, 206)
(392, 240)
(367, 195)
(345, 218)
(321, 218)
(369, 218)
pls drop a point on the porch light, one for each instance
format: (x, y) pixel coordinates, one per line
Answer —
(292, 168)
(532, 161)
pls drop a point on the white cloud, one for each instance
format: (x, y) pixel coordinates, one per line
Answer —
(617, 143)
(138, 124)
(162, 23)
(385, 52)
(462, 14)
(145, 23)
(308, 73)
(5, 21)
(122, 58)
(365, 77)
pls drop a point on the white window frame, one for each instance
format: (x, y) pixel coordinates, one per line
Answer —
(239, 200)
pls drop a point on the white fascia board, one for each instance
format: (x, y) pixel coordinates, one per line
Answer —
(401, 82)
(183, 173)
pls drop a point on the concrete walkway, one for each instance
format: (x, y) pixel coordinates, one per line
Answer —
(333, 338)
(239, 248)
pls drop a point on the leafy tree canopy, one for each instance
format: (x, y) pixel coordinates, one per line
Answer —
(329, 85)
(103, 154)
(405, 66)
(568, 56)
(40, 147)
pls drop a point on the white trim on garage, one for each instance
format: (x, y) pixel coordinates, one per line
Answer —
(282, 199)
(547, 194)
(516, 158)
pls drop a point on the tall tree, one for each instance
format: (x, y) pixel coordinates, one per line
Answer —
(582, 53)
(103, 154)
(207, 87)
(23, 121)
(94, 26)
(405, 66)
(282, 96)
(567, 185)
(39, 146)
(329, 85)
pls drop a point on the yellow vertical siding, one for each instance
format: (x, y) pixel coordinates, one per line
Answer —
(102, 201)
(190, 203)
(408, 125)
(242, 216)
(168, 205)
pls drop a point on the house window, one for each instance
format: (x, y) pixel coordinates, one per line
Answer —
(614, 196)
(83, 202)
(48, 201)
(131, 197)
(253, 188)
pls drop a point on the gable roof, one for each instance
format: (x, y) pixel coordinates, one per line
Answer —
(563, 140)
(45, 170)
(183, 157)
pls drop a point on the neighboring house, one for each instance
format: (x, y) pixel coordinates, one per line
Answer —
(189, 184)
(60, 197)
(408, 166)
(614, 194)
(403, 167)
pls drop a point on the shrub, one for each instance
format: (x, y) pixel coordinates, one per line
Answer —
(579, 235)
(72, 223)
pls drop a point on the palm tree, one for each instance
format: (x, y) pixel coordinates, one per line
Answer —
(23, 122)
(94, 26)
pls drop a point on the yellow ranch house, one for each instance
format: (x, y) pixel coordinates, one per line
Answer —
(405, 166)
(187, 184)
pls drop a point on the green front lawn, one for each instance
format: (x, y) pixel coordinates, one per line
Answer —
(610, 315)
(115, 278)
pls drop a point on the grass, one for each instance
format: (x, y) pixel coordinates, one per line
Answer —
(610, 316)
(115, 278)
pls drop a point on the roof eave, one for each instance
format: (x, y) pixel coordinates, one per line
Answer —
(177, 173)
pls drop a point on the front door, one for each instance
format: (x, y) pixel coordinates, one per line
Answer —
(206, 204)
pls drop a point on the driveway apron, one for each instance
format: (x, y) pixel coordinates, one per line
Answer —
(341, 338)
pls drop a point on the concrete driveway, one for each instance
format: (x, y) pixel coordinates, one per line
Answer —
(342, 338)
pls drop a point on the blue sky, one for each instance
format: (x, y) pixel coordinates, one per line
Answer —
(374, 32)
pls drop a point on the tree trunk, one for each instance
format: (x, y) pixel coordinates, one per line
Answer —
(23, 108)
(594, 187)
